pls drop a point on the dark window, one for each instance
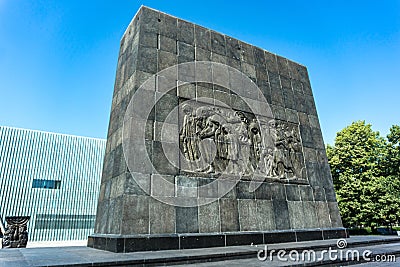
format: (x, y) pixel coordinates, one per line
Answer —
(47, 184)
(64, 221)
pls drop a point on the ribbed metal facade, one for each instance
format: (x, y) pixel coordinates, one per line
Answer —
(54, 178)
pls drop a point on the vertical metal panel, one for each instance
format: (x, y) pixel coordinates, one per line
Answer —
(66, 213)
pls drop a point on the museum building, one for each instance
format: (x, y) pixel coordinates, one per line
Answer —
(53, 178)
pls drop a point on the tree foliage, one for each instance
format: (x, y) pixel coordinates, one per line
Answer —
(365, 169)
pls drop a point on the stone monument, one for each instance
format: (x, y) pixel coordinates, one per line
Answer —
(211, 142)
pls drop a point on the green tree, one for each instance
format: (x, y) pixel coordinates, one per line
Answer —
(355, 159)
(388, 202)
(393, 152)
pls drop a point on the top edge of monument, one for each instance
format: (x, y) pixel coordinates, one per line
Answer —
(142, 7)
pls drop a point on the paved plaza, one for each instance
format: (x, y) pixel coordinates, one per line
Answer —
(224, 256)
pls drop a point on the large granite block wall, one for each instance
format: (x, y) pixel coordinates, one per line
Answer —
(286, 159)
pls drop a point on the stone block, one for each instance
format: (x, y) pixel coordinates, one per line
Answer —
(249, 70)
(281, 212)
(322, 211)
(148, 20)
(167, 44)
(248, 215)
(227, 189)
(238, 103)
(165, 157)
(166, 132)
(285, 82)
(297, 86)
(232, 48)
(314, 122)
(261, 73)
(259, 57)
(161, 217)
(187, 219)
(313, 173)
(208, 188)
(294, 70)
(162, 185)
(283, 67)
(148, 39)
(247, 54)
(186, 186)
(186, 50)
(300, 101)
(102, 216)
(306, 193)
(310, 105)
(292, 192)
(202, 38)
(278, 191)
(186, 72)
(135, 215)
(296, 214)
(292, 116)
(265, 215)
(288, 98)
(265, 89)
(117, 186)
(185, 32)
(218, 44)
(317, 138)
(181, 60)
(271, 63)
(334, 214)
(243, 190)
(279, 237)
(319, 193)
(222, 98)
(205, 94)
(244, 238)
(168, 26)
(277, 96)
(310, 214)
(218, 58)
(162, 242)
(310, 154)
(139, 157)
(303, 119)
(166, 106)
(264, 191)
(166, 60)
(187, 90)
(119, 166)
(232, 62)
(220, 76)
(229, 215)
(137, 184)
(330, 194)
(147, 60)
(209, 218)
(306, 88)
(306, 136)
(309, 235)
(279, 112)
(115, 215)
(202, 54)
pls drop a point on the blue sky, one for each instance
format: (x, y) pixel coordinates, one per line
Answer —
(58, 58)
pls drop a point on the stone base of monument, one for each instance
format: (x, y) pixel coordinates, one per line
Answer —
(133, 243)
